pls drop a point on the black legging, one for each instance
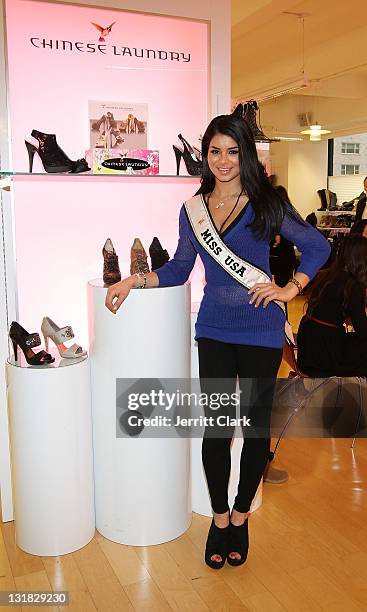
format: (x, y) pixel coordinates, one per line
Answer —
(218, 361)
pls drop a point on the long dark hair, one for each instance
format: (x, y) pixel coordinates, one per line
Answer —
(351, 258)
(268, 205)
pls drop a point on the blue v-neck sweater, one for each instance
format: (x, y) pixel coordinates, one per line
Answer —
(225, 313)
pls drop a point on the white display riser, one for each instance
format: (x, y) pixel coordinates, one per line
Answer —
(142, 485)
(199, 489)
(52, 457)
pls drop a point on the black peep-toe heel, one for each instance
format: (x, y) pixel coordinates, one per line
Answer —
(238, 543)
(216, 544)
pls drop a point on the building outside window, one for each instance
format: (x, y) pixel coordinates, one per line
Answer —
(350, 169)
(350, 147)
(349, 155)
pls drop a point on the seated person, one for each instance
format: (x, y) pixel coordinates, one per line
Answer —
(360, 227)
(338, 295)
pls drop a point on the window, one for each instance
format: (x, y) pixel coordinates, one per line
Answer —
(350, 169)
(350, 147)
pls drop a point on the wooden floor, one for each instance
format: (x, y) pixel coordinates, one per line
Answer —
(308, 550)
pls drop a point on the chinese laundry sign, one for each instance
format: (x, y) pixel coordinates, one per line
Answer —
(121, 50)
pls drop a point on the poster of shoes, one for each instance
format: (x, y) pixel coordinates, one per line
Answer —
(118, 124)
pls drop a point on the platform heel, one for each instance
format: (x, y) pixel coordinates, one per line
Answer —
(178, 154)
(31, 151)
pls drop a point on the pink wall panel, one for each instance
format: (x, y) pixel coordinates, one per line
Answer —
(62, 222)
(58, 253)
(50, 88)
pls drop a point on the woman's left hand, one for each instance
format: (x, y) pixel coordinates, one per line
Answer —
(269, 292)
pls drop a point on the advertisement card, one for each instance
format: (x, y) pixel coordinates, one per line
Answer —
(125, 161)
(114, 125)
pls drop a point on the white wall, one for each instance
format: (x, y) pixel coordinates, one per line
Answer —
(302, 168)
(307, 172)
(279, 154)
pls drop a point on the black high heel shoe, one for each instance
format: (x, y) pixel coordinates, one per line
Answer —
(191, 157)
(20, 337)
(238, 543)
(216, 544)
(158, 255)
(52, 156)
(248, 112)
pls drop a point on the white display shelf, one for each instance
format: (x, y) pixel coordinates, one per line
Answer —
(52, 457)
(344, 230)
(142, 484)
(70, 175)
(337, 212)
(59, 362)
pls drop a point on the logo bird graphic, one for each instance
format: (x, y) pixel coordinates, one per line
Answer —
(103, 31)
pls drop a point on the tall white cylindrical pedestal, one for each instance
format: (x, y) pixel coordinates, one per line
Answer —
(52, 457)
(199, 489)
(142, 484)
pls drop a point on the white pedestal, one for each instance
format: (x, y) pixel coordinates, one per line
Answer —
(142, 485)
(52, 457)
(199, 489)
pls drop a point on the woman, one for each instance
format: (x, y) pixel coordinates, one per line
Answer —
(339, 295)
(240, 325)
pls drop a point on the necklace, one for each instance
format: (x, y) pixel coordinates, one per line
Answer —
(223, 200)
(234, 207)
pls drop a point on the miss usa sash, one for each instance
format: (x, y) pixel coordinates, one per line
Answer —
(241, 270)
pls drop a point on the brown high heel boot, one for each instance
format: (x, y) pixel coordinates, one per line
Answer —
(111, 270)
(139, 261)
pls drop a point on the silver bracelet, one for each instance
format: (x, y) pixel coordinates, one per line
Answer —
(142, 283)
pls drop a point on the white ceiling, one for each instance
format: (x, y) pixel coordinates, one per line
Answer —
(267, 58)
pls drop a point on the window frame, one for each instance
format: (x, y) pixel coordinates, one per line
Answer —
(354, 144)
(345, 166)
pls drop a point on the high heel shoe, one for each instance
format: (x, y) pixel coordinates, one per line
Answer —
(139, 261)
(191, 157)
(158, 255)
(20, 337)
(52, 156)
(248, 112)
(111, 270)
(238, 543)
(59, 335)
(216, 544)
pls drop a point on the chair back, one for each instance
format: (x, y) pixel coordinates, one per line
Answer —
(289, 356)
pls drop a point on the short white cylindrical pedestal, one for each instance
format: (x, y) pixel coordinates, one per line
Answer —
(142, 484)
(52, 457)
(199, 489)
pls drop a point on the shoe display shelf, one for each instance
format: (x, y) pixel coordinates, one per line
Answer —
(98, 177)
(51, 455)
(199, 489)
(142, 491)
(337, 226)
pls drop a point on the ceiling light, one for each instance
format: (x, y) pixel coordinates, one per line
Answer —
(315, 132)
